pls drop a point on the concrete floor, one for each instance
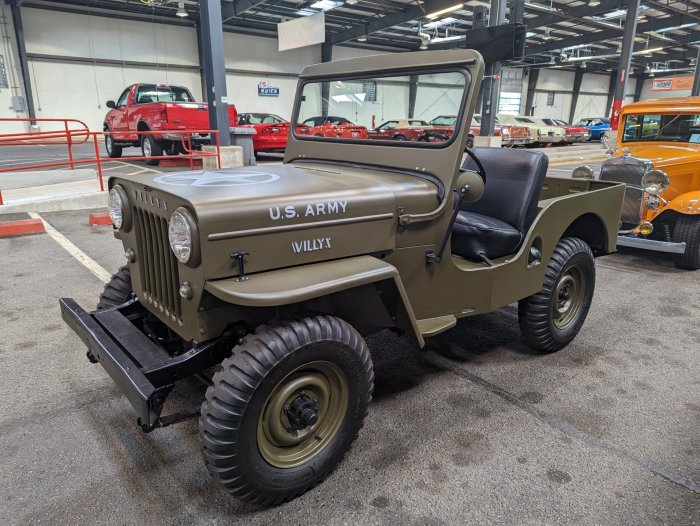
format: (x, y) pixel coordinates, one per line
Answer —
(476, 429)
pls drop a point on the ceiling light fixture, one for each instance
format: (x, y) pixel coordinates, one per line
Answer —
(363, 38)
(583, 65)
(437, 14)
(326, 5)
(453, 38)
(594, 3)
(181, 12)
(547, 35)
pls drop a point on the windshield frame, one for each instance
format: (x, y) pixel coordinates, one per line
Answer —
(403, 72)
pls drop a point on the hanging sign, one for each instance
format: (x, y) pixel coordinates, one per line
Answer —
(672, 84)
(266, 90)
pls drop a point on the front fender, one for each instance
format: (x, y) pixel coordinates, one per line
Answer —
(688, 203)
(299, 284)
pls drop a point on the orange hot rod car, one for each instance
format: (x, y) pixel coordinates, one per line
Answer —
(658, 156)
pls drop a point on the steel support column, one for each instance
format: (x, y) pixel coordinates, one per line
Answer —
(578, 77)
(611, 90)
(533, 76)
(326, 56)
(412, 93)
(623, 68)
(492, 82)
(638, 87)
(24, 64)
(696, 77)
(200, 54)
(215, 68)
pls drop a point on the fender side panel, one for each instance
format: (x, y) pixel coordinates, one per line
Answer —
(298, 284)
(688, 203)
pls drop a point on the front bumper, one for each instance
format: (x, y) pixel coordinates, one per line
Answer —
(108, 335)
(651, 244)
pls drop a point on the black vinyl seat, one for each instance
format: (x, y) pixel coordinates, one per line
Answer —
(495, 225)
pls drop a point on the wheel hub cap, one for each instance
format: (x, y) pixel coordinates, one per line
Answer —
(569, 295)
(302, 414)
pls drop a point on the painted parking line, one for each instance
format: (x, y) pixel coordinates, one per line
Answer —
(74, 251)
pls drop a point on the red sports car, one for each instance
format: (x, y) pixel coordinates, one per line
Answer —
(335, 127)
(271, 131)
(404, 130)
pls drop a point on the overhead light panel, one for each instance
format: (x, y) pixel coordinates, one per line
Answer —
(453, 38)
(438, 14)
(181, 12)
(363, 38)
(682, 26)
(326, 5)
(594, 3)
(547, 35)
(435, 24)
(306, 12)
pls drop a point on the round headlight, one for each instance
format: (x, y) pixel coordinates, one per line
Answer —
(583, 172)
(655, 182)
(118, 207)
(180, 235)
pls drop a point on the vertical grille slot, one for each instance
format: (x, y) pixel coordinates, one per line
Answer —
(157, 264)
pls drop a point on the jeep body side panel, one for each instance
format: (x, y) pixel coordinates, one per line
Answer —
(299, 284)
(461, 288)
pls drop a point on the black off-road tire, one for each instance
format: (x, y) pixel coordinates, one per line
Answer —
(687, 229)
(117, 291)
(232, 412)
(536, 314)
(156, 149)
(114, 151)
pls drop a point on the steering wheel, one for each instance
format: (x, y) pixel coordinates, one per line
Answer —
(480, 166)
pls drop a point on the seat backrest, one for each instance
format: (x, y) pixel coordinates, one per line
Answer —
(514, 181)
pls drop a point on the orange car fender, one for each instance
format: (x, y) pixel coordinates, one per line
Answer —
(688, 203)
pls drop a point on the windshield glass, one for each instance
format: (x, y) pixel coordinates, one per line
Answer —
(662, 128)
(346, 110)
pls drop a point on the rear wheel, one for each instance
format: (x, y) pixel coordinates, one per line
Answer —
(687, 230)
(151, 148)
(285, 408)
(399, 137)
(550, 319)
(113, 151)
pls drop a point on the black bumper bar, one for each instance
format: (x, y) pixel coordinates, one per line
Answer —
(108, 347)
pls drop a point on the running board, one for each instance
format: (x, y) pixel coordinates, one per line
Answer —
(651, 244)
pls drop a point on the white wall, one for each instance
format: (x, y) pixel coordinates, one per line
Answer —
(8, 50)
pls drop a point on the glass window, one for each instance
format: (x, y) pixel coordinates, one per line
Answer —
(661, 128)
(550, 98)
(342, 109)
(148, 93)
(509, 102)
(123, 98)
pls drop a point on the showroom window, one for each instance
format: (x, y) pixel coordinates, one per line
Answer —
(509, 103)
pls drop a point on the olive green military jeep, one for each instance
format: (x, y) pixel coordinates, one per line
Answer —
(271, 275)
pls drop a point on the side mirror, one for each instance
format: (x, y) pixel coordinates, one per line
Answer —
(111, 104)
(473, 183)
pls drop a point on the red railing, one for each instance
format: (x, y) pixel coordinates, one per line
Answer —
(76, 132)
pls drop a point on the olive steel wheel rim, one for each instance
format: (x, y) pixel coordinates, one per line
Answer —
(319, 386)
(569, 296)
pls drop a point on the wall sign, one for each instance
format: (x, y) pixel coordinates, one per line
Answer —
(672, 84)
(266, 90)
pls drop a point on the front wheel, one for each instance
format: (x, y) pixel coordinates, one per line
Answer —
(151, 148)
(687, 230)
(550, 319)
(117, 291)
(285, 408)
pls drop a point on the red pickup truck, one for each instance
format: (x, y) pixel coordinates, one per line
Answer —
(166, 110)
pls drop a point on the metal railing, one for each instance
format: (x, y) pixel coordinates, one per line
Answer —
(76, 132)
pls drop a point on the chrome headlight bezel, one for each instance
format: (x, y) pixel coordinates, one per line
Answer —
(655, 182)
(583, 172)
(119, 209)
(183, 237)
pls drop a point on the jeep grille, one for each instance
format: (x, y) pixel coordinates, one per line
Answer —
(157, 264)
(630, 171)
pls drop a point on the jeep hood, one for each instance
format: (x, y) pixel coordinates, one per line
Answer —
(286, 215)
